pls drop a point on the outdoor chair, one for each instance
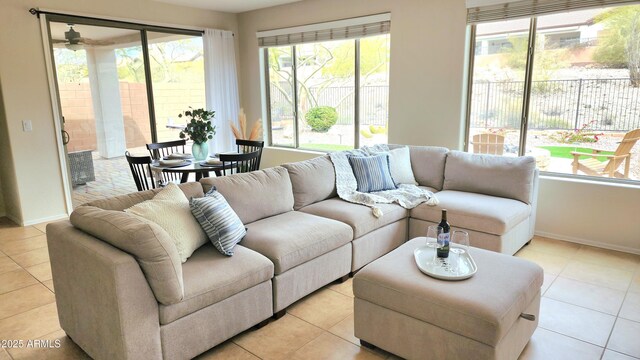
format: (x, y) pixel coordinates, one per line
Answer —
(247, 146)
(239, 163)
(160, 150)
(141, 166)
(488, 144)
(592, 166)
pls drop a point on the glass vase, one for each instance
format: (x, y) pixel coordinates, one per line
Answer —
(200, 151)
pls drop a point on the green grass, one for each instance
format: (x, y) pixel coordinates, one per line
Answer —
(565, 152)
(325, 147)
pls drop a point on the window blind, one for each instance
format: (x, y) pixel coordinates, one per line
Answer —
(335, 30)
(489, 10)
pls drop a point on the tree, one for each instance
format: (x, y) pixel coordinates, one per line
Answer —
(620, 47)
(323, 65)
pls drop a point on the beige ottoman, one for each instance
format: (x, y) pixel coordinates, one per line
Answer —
(403, 311)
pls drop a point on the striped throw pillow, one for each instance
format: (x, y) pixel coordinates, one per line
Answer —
(372, 172)
(218, 220)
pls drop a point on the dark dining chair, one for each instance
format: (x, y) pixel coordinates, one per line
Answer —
(239, 163)
(158, 151)
(248, 146)
(140, 166)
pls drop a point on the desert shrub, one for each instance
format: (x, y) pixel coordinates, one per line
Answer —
(321, 118)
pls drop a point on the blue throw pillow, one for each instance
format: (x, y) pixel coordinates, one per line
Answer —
(218, 220)
(372, 172)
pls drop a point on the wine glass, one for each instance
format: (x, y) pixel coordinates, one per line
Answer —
(432, 238)
(461, 240)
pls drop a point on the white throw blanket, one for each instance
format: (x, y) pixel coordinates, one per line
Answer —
(407, 196)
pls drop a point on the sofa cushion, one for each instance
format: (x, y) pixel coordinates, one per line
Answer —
(147, 242)
(293, 238)
(255, 195)
(504, 176)
(218, 220)
(210, 277)
(312, 181)
(428, 163)
(190, 189)
(479, 212)
(359, 217)
(170, 209)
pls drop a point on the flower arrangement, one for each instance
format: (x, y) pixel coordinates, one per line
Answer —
(199, 128)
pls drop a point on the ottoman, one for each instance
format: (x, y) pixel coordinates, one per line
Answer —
(403, 311)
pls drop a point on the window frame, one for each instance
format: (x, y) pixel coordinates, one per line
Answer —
(296, 135)
(526, 98)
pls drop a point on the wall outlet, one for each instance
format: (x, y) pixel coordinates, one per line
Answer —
(26, 125)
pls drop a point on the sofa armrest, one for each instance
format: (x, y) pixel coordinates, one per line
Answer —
(104, 301)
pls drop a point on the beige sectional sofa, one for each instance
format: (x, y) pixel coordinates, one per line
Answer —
(122, 293)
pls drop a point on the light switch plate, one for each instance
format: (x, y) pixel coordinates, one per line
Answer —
(26, 125)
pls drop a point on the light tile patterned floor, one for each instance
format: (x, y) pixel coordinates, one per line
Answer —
(590, 308)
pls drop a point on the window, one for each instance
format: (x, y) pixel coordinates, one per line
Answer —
(579, 93)
(328, 95)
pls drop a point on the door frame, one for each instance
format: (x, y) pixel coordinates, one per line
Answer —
(56, 107)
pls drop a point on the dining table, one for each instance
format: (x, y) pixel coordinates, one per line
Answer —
(199, 168)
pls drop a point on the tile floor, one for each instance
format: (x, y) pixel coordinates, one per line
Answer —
(590, 308)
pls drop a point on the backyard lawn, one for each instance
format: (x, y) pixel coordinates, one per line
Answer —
(565, 152)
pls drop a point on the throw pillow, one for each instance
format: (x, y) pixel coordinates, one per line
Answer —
(170, 209)
(400, 166)
(372, 172)
(222, 225)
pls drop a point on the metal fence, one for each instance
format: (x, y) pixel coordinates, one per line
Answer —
(374, 103)
(605, 104)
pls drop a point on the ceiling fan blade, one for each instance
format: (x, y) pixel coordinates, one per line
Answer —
(58, 41)
(88, 41)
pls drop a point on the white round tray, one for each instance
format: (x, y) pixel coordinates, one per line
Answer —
(445, 269)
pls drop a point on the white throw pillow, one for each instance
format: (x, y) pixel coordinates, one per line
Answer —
(170, 210)
(400, 165)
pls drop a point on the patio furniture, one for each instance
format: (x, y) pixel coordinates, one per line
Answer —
(247, 146)
(81, 166)
(240, 163)
(593, 166)
(159, 150)
(488, 144)
(137, 164)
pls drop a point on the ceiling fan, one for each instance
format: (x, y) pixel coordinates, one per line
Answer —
(74, 41)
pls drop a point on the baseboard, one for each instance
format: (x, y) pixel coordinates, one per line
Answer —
(45, 219)
(589, 242)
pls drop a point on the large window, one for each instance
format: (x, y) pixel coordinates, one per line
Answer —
(574, 105)
(329, 95)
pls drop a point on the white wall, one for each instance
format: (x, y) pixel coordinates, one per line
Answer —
(37, 193)
(599, 214)
(427, 57)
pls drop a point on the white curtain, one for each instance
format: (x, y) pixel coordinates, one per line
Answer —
(221, 86)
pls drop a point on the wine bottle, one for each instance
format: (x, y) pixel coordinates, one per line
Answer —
(443, 237)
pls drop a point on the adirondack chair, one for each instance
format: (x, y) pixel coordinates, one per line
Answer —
(488, 144)
(593, 166)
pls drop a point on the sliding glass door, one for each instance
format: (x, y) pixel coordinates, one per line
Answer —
(120, 86)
